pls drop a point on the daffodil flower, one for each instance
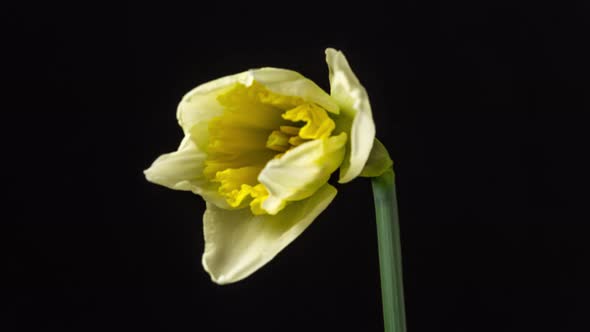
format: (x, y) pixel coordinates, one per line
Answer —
(260, 147)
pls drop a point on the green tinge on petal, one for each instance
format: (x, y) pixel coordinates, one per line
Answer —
(378, 162)
(237, 243)
(301, 171)
(183, 170)
(356, 116)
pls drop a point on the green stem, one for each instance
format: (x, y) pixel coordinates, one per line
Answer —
(390, 258)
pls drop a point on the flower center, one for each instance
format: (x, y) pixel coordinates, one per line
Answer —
(255, 127)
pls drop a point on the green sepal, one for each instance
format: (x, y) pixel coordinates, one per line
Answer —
(378, 162)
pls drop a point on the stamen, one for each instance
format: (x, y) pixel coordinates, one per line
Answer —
(296, 140)
(278, 141)
(290, 130)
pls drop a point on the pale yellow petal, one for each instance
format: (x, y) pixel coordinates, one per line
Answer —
(355, 116)
(183, 170)
(301, 171)
(237, 243)
(199, 106)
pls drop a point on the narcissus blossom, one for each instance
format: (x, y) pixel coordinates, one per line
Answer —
(260, 147)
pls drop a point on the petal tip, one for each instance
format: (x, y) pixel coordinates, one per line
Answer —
(217, 279)
(329, 51)
(149, 174)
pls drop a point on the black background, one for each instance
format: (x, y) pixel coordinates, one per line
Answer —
(480, 105)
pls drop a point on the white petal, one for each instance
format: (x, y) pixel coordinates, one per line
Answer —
(238, 243)
(200, 104)
(355, 116)
(301, 171)
(183, 170)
